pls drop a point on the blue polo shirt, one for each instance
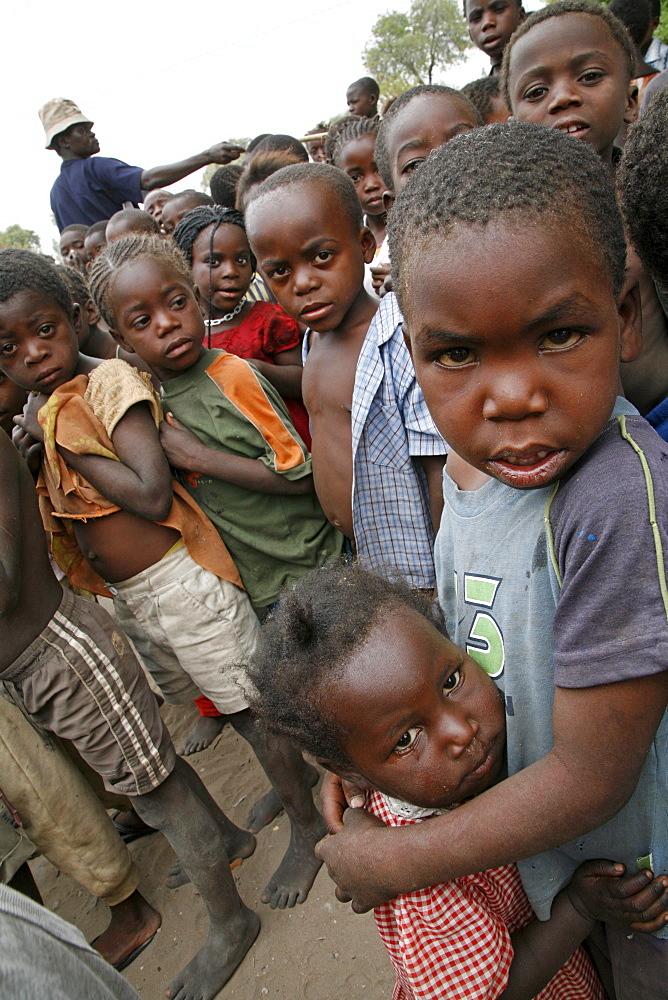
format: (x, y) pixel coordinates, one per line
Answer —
(90, 190)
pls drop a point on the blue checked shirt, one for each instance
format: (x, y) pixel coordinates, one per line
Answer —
(391, 428)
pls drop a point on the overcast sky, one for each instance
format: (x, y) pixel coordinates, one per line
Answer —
(161, 83)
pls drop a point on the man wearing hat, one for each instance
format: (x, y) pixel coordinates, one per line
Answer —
(90, 188)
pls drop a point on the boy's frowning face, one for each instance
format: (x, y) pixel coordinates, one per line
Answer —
(427, 122)
(310, 252)
(521, 375)
(38, 344)
(570, 73)
(157, 315)
(436, 734)
(491, 23)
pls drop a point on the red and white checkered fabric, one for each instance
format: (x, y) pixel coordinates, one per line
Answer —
(452, 941)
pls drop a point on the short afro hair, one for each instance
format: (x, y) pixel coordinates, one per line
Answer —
(263, 165)
(520, 171)
(642, 179)
(308, 641)
(558, 9)
(223, 184)
(367, 85)
(402, 101)
(283, 144)
(481, 94)
(339, 186)
(27, 271)
(125, 251)
(131, 220)
(97, 227)
(635, 15)
(192, 197)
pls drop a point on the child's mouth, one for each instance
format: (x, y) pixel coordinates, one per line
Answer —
(179, 348)
(529, 468)
(48, 378)
(315, 312)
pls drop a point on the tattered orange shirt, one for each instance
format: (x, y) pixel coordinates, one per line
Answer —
(81, 416)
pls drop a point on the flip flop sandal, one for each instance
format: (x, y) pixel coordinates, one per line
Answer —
(130, 833)
(124, 962)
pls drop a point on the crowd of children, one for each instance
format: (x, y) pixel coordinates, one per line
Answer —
(366, 452)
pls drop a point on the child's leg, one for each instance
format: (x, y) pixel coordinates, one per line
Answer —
(292, 779)
(209, 725)
(199, 832)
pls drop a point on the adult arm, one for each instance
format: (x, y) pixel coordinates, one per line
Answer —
(140, 482)
(157, 177)
(586, 778)
(185, 451)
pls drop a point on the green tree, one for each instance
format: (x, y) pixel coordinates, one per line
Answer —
(16, 236)
(408, 49)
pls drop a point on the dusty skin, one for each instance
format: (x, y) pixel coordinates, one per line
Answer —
(317, 951)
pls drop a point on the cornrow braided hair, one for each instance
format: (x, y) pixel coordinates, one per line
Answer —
(334, 130)
(195, 222)
(558, 9)
(121, 252)
(350, 132)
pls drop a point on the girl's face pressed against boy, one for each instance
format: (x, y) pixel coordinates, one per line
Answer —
(436, 734)
(222, 271)
(520, 378)
(427, 122)
(311, 254)
(357, 160)
(570, 73)
(157, 315)
(38, 345)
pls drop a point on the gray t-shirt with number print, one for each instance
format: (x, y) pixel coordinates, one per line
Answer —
(568, 589)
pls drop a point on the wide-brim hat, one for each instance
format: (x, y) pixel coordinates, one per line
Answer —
(57, 115)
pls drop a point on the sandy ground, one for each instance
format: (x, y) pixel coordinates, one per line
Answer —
(320, 950)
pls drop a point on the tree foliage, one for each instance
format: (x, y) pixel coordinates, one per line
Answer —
(408, 49)
(16, 236)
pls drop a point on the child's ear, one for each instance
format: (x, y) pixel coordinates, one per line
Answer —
(368, 241)
(92, 315)
(121, 341)
(632, 109)
(77, 319)
(388, 200)
(630, 320)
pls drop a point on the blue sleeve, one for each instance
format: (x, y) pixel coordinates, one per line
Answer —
(117, 177)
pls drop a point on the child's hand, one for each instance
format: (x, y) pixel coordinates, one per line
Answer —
(179, 444)
(380, 273)
(600, 890)
(28, 421)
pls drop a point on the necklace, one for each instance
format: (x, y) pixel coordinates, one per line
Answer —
(228, 316)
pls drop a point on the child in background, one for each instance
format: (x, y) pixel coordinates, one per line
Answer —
(129, 221)
(72, 246)
(360, 672)
(95, 240)
(569, 66)
(230, 435)
(369, 422)
(223, 184)
(486, 95)
(316, 146)
(176, 207)
(213, 240)
(353, 152)
(67, 665)
(490, 24)
(362, 97)
(550, 557)
(154, 202)
(636, 16)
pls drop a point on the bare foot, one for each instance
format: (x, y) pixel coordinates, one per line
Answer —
(203, 733)
(212, 966)
(238, 849)
(292, 880)
(269, 806)
(133, 923)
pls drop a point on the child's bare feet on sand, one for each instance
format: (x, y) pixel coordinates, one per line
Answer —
(203, 733)
(212, 966)
(133, 924)
(240, 845)
(269, 806)
(292, 880)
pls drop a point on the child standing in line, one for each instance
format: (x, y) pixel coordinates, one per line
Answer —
(551, 552)
(213, 240)
(361, 673)
(353, 152)
(376, 454)
(490, 24)
(240, 458)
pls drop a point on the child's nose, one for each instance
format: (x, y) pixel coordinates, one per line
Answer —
(513, 395)
(303, 280)
(563, 94)
(457, 730)
(35, 351)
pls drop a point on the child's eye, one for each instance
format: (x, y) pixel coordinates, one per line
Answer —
(455, 357)
(6, 350)
(452, 682)
(592, 76)
(140, 322)
(323, 256)
(355, 177)
(242, 260)
(412, 165)
(278, 272)
(406, 741)
(560, 340)
(534, 93)
(46, 329)
(179, 302)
